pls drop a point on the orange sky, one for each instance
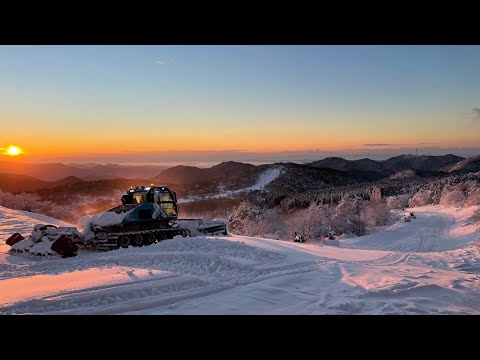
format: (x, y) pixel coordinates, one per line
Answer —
(261, 139)
(73, 100)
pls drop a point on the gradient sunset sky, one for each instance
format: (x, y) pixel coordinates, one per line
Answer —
(76, 101)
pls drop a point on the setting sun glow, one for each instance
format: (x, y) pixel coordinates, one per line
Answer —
(13, 150)
(237, 103)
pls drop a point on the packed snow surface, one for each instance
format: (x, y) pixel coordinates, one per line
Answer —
(427, 266)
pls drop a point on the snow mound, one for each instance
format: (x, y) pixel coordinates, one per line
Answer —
(87, 223)
(108, 218)
(12, 221)
(39, 242)
(220, 246)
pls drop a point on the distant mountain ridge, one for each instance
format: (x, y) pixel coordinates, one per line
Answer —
(390, 166)
(366, 167)
(58, 171)
(471, 164)
(23, 183)
(233, 175)
(420, 162)
(182, 174)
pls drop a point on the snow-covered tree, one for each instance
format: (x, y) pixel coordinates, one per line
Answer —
(398, 201)
(243, 217)
(376, 213)
(473, 198)
(312, 222)
(33, 203)
(349, 216)
(421, 198)
(452, 198)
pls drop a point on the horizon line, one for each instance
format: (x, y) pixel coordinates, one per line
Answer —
(245, 157)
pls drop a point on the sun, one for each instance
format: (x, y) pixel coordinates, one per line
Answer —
(13, 150)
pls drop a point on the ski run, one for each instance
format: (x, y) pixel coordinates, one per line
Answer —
(428, 266)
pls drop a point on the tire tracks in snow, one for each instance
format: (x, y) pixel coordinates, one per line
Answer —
(424, 240)
(152, 293)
